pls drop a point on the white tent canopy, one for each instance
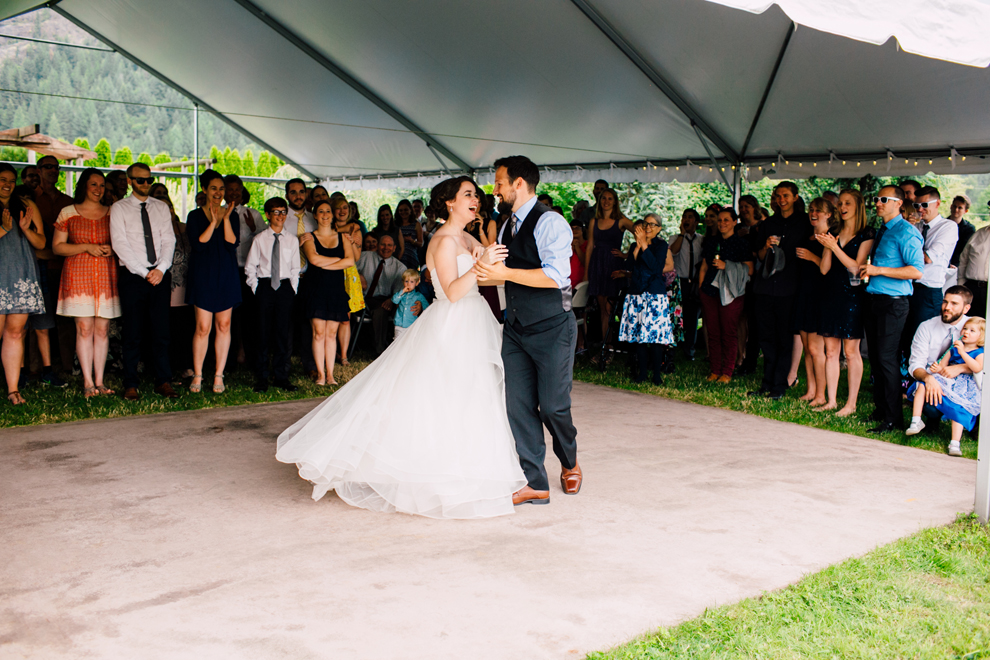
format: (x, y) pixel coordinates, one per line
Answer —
(374, 89)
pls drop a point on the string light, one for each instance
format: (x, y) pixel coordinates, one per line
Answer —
(915, 163)
(843, 162)
(964, 158)
(858, 163)
(929, 162)
(874, 162)
(800, 164)
(787, 162)
(906, 161)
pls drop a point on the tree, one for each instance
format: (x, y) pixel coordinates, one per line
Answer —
(162, 158)
(102, 154)
(144, 158)
(124, 156)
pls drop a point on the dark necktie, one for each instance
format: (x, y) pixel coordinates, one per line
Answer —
(510, 231)
(876, 242)
(149, 243)
(378, 276)
(691, 260)
(276, 269)
(924, 234)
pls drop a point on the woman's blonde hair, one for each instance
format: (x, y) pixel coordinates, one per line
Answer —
(336, 203)
(981, 323)
(859, 224)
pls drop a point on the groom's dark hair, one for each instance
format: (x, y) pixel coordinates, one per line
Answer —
(520, 167)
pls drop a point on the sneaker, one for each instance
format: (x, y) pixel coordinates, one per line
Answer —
(954, 449)
(915, 428)
(53, 380)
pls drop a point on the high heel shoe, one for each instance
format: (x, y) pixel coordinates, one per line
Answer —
(218, 389)
(195, 387)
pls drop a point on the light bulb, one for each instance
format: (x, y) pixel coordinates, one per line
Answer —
(843, 162)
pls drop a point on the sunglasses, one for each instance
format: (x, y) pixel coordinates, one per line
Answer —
(884, 200)
(924, 205)
(47, 166)
(143, 179)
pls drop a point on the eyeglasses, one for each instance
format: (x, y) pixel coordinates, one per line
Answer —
(278, 214)
(143, 179)
(47, 166)
(924, 205)
(884, 200)
(651, 224)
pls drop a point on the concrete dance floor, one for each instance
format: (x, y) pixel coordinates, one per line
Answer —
(179, 536)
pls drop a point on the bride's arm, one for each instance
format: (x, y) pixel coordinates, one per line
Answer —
(445, 259)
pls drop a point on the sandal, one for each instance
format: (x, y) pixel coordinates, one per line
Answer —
(90, 392)
(218, 389)
(15, 398)
(321, 381)
(102, 389)
(195, 387)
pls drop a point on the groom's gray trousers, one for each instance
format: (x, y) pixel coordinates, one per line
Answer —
(539, 368)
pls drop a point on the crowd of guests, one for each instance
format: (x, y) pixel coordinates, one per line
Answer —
(798, 283)
(228, 284)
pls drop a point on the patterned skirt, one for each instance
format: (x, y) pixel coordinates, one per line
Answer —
(352, 284)
(646, 320)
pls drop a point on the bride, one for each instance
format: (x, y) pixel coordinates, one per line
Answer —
(377, 445)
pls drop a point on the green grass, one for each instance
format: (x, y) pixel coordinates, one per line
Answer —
(47, 405)
(926, 596)
(689, 384)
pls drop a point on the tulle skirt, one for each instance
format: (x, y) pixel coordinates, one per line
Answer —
(423, 429)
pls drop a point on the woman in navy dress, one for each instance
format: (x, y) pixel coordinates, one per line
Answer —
(844, 296)
(604, 255)
(213, 284)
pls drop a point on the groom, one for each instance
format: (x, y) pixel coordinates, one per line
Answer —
(540, 330)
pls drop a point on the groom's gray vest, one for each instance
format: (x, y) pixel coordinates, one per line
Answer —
(526, 304)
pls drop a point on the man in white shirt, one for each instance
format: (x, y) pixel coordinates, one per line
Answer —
(272, 274)
(142, 237)
(686, 249)
(383, 274)
(418, 216)
(932, 339)
(939, 236)
(974, 269)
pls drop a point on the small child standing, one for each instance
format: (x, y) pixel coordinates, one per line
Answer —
(956, 374)
(404, 301)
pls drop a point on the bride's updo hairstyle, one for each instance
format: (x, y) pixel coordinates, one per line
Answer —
(445, 191)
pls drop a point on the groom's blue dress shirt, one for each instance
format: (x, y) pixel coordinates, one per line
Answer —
(553, 240)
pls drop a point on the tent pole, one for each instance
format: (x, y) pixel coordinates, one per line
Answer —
(711, 156)
(736, 186)
(983, 456)
(195, 139)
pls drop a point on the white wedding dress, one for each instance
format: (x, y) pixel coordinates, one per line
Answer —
(423, 429)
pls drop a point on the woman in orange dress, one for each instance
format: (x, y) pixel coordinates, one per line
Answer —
(88, 290)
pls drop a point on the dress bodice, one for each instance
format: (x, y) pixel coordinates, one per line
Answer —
(464, 263)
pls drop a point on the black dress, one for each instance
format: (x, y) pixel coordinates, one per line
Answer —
(808, 303)
(326, 297)
(212, 281)
(844, 304)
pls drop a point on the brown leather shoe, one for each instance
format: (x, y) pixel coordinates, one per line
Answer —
(527, 495)
(570, 480)
(132, 394)
(165, 389)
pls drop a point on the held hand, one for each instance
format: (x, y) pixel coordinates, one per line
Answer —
(94, 249)
(496, 253)
(477, 252)
(803, 254)
(718, 263)
(958, 345)
(935, 368)
(619, 274)
(154, 277)
(772, 241)
(417, 308)
(617, 253)
(388, 306)
(491, 272)
(933, 392)
(305, 238)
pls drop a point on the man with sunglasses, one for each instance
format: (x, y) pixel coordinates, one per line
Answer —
(142, 236)
(939, 236)
(895, 259)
